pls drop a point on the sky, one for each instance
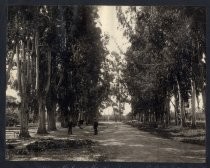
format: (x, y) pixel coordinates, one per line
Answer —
(109, 25)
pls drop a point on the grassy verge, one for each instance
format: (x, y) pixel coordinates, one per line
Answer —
(186, 134)
(55, 149)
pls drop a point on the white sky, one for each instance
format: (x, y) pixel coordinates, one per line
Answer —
(109, 25)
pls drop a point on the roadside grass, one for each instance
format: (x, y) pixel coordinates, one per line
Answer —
(177, 133)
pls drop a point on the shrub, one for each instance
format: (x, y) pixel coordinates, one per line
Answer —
(12, 118)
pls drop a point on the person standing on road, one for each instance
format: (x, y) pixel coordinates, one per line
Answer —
(95, 127)
(70, 125)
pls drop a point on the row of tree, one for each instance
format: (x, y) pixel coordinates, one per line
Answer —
(59, 53)
(166, 58)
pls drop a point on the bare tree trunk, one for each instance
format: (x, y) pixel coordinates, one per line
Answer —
(167, 109)
(197, 99)
(40, 93)
(144, 120)
(28, 62)
(204, 101)
(42, 115)
(34, 79)
(42, 118)
(18, 68)
(183, 122)
(49, 70)
(62, 119)
(24, 133)
(176, 110)
(176, 105)
(193, 97)
(33, 63)
(51, 118)
(181, 106)
(51, 113)
(28, 76)
(37, 59)
(204, 98)
(24, 99)
(150, 116)
(36, 46)
(10, 65)
(139, 117)
(119, 108)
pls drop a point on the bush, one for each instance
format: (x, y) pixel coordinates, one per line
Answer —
(12, 118)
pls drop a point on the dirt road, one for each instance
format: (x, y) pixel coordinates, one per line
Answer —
(117, 142)
(125, 143)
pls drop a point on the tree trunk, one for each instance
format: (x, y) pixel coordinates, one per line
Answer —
(33, 64)
(49, 70)
(28, 76)
(50, 110)
(28, 62)
(36, 46)
(24, 99)
(193, 97)
(37, 59)
(204, 101)
(197, 99)
(150, 117)
(181, 104)
(167, 110)
(139, 117)
(143, 117)
(36, 112)
(64, 115)
(183, 122)
(51, 118)
(18, 69)
(42, 119)
(156, 115)
(176, 107)
(204, 98)
(24, 133)
(33, 80)
(62, 119)
(40, 93)
(10, 65)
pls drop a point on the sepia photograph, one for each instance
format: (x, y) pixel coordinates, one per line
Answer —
(106, 83)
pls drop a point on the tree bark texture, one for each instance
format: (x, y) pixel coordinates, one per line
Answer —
(193, 98)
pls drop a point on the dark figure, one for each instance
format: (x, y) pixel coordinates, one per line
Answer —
(70, 125)
(179, 119)
(95, 127)
(80, 122)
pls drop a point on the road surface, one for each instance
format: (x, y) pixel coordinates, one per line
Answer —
(118, 142)
(125, 143)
